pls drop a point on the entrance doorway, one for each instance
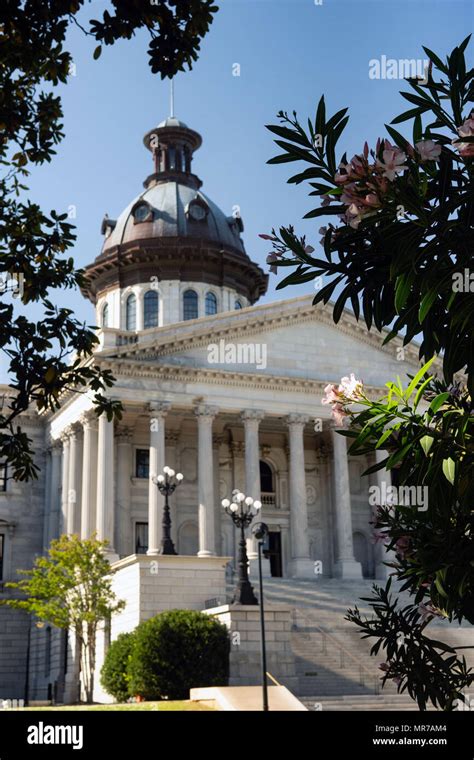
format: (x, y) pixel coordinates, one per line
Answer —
(274, 553)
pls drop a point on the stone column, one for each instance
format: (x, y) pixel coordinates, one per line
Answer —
(55, 493)
(158, 411)
(381, 555)
(47, 498)
(217, 441)
(125, 542)
(251, 419)
(345, 565)
(64, 480)
(301, 565)
(105, 485)
(90, 425)
(74, 482)
(207, 538)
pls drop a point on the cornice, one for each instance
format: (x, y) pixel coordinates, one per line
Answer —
(171, 373)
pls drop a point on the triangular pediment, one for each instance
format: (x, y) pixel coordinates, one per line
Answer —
(285, 339)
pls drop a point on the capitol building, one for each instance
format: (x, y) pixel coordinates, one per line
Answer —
(215, 384)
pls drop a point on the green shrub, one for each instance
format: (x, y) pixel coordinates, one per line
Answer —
(176, 651)
(114, 673)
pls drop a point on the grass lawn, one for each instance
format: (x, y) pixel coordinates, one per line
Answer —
(166, 706)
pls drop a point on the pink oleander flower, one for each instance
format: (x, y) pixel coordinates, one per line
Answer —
(402, 546)
(350, 387)
(309, 249)
(428, 150)
(465, 130)
(380, 536)
(339, 414)
(393, 161)
(426, 611)
(397, 680)
(271, 258)
(326, 200)
(267, 237)
(385, 666)
(332, 394)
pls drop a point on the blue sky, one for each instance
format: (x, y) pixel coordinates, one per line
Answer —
(289, 52)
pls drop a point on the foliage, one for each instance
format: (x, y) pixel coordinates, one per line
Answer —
(177, 651)
(114, 672)
(399, 247)
(405, 232)
(428, 669)
(70, 588)
(48, 357)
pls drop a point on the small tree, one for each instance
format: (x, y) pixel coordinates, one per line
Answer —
(114, 675)
(71, 588)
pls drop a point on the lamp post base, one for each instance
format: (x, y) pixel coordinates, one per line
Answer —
(244, 594)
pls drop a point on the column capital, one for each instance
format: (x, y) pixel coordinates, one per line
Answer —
(89, 419)
(203, 411)
(252, 415)
(74, 430)
(123, 435)
(158, 408)
(54, 445)
(295, 419)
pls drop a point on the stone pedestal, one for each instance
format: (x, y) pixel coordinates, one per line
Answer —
(243, 623)
(153, 584)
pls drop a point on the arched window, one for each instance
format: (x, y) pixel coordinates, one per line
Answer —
(237, 305)
(211, 304)
(131, 313)
(190, 304)
(105, 315)
(266, 478)
(150, 309)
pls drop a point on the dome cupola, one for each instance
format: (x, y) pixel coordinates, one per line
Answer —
(174, 240)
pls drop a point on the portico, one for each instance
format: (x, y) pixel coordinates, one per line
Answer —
(305, 472)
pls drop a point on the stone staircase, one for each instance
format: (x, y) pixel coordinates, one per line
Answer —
(334, 666)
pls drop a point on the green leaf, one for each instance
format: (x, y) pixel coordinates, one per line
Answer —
(97, 52)
(438, 402)
(418, 377)
(383, 438)
(403, 289)
(437, 61)
(449, 469)
(426, 443)
(426, 303)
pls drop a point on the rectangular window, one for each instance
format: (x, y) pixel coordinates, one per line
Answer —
(3, 477)
(142, 463)
(141, 538)
(2, 545)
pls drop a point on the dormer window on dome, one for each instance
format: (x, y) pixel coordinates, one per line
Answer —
(197, 210)
(142, 212)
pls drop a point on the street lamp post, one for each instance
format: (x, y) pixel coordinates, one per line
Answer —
(167, 484)
(260, 531)
(241, 510)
